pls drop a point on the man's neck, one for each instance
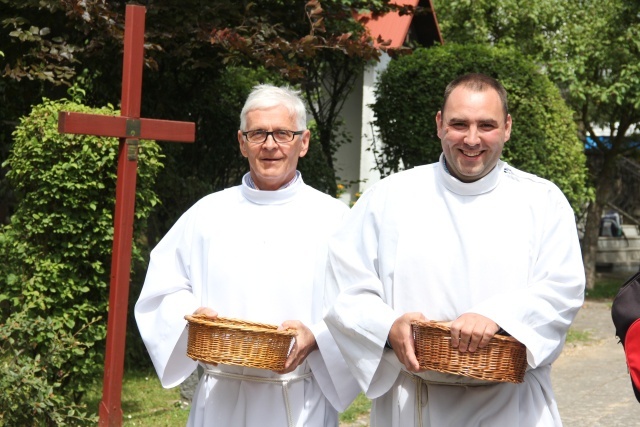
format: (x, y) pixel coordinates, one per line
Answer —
(252, 184)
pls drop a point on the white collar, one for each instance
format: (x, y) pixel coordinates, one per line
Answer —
(276, 197)
(481, 186)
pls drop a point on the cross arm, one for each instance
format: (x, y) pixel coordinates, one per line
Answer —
(126, 127)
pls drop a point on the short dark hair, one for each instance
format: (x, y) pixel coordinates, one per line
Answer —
(478, 83)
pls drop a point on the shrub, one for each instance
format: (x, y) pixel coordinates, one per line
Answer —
(32, 393)
(56, 252)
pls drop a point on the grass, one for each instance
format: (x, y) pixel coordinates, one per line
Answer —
(607, 286)
(574, 336)
(146, 404)
(359, 407)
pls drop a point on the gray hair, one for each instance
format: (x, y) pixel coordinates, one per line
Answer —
(264, 97)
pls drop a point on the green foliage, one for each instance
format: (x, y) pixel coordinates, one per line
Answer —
(525, 24)
(596, 61)
(314, 166)
(32, 386)
(543, 139)
(56, 252)
(195, 70)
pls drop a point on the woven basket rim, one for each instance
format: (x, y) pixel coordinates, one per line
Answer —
(438, 325)
(239, 325)
(434, 352)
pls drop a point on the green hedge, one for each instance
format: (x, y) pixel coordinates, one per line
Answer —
(55, 256)
(544, 137)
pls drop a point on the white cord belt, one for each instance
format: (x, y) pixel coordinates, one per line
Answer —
(420, 382)
(215, 372)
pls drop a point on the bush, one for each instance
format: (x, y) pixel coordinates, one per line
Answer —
(544, 139)
(32, 393)
(56, 252)
(314, 166)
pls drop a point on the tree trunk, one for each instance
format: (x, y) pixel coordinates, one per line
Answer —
(604, 188)
(590, 242)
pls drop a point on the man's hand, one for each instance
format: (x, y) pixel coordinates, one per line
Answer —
(401, 340)
(471, 331)
(305, 343)
(209, 312)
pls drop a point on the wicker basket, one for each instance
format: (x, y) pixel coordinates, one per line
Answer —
(238, 342)
(504, 359)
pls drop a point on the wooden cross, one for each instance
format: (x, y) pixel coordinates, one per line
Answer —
(129, 127)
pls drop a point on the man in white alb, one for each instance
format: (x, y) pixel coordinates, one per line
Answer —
(255, 252)
(468, 240)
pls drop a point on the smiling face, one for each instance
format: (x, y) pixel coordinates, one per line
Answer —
(473, 130)
(272, 165)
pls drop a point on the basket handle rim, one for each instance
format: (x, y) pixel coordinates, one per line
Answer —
(440, 325)
(238, 324)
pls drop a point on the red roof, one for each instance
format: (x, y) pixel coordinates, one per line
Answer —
(394, 28)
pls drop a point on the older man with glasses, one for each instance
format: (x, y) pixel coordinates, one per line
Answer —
(257, 252)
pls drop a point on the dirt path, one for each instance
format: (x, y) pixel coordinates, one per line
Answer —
(590, 380)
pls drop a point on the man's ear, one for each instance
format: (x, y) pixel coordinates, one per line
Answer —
(507, 128)
(243, 144)
(306, 138)
(439, 124)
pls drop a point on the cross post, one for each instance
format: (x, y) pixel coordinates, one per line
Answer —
(129, 128)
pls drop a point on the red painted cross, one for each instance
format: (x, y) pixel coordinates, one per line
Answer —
(129, 127)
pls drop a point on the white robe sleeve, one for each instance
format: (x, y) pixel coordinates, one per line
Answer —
(328, 365)
(353, 280)
(540, 314)
(331, 371)
(165, 299)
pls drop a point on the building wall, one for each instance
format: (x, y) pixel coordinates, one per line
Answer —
(355, 162)
(620, 254)
(348, 154)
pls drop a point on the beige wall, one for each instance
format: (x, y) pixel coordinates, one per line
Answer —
(355, 161)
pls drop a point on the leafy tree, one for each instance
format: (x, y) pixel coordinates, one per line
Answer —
(42, 45)
(591, 50)
(324, 54)
(56, 253)
(189, 48)
(598, 67)
(527, 25)
(543, 139)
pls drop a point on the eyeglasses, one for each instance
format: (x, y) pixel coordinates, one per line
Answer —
(279, 136)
